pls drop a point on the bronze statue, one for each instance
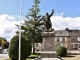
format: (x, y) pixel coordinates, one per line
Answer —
(47, 21)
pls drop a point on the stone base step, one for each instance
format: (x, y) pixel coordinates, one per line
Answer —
(48, 55)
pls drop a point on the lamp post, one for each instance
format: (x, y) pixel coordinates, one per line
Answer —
(20, 30)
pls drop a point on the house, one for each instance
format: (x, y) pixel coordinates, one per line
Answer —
(67, 38)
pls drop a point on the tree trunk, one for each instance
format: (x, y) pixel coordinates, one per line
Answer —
(33, 48)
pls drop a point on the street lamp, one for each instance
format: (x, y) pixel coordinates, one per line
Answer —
(20, 30)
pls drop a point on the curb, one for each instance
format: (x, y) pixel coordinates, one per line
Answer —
(39, 58)
(60, 58)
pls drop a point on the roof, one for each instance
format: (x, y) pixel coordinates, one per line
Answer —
(61, 33)
(74, 32)
(67, 32)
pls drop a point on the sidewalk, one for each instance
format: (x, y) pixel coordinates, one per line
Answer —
(50, 59)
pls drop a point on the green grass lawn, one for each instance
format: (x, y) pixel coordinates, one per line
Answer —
(72, 57)
(32, 56)
(7, 59)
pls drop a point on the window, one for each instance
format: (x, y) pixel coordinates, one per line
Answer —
(72, 39)
(63, 39)
(73, 46)
(36, 44)
(57, 39)
(78, 38)
(57, 45)
(65, 45)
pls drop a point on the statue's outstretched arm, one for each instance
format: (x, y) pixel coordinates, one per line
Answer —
(52, 13)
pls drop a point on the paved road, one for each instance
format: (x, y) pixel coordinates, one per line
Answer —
(4, 55)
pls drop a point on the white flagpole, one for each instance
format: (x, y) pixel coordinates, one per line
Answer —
(20, 30)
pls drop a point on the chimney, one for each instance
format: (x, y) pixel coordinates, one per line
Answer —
(66, 29)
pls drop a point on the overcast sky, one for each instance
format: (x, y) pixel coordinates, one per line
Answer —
(66, 14)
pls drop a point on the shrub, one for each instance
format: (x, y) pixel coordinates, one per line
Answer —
(61, 51)
(14, 48)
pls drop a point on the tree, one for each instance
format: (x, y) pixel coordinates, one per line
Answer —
(61, 51)
(33, 26)
(5, 45)
(3, 41)
(14, 48)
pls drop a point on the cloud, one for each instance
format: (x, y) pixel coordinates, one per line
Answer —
(60, 14)
(8, 28)
(60, 22)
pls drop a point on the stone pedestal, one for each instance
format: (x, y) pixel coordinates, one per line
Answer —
(48, 45)
(48, 41)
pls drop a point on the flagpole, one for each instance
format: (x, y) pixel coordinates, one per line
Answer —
(20, 30)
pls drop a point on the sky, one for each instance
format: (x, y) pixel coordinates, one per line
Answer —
(66, 14)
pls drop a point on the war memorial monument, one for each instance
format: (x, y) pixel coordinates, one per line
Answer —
(48, 37)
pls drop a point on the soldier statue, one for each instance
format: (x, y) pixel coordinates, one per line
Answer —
(47, 21)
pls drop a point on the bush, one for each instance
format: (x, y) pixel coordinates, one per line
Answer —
(14, 48)
(61, 51)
